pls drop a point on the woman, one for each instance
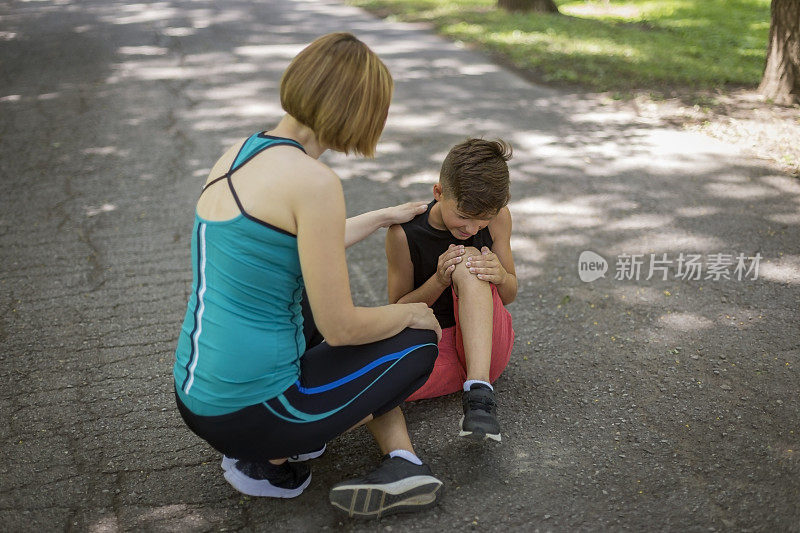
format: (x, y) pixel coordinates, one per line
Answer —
(270, 224)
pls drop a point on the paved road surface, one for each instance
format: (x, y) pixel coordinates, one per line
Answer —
(629, 404)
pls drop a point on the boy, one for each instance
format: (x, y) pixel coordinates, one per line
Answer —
(456, 257)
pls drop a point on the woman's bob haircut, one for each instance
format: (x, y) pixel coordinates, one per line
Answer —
(340, 89)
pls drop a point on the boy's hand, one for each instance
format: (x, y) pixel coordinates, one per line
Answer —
(447, 264)
(487, 267)
(402, 213)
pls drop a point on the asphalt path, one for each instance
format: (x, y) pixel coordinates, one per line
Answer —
(629, 404)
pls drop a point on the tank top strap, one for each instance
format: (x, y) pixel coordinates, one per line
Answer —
(235, 196)
(252, 146)
(256, 144)
(212, 182)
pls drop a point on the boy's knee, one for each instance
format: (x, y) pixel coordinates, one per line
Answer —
(461, 274)
(470, 251)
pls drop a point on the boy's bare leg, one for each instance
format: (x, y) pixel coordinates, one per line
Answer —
(475, 311)
(390, 432)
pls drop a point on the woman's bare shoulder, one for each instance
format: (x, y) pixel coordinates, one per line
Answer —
(288, 161)
(226, 160)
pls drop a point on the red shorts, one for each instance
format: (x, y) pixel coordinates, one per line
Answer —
(450, 370)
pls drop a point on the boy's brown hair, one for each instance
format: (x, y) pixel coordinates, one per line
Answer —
(475, 175)
(340, 89)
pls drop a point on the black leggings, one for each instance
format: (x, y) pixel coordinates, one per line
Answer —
(338, 386)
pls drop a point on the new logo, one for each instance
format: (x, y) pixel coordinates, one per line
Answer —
(591, 266)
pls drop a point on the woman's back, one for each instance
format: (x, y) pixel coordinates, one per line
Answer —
(242, 337)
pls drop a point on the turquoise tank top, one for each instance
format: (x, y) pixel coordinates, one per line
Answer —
(242, 336)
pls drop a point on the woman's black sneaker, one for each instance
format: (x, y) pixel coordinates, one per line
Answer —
(480, 414)
(229, 462)
(397, 485)
(265, 479)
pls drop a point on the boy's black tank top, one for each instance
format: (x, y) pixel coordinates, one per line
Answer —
(426, 244)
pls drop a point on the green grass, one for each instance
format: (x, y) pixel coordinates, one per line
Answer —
(655, 45)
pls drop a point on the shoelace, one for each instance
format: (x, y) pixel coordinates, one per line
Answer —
(393, 468)
(274, 473)
(481, 402)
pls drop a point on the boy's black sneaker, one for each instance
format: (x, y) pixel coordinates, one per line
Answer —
(480, 414)
(397, 485)
(265, 479)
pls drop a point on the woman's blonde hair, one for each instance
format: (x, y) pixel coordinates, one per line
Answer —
(340, 89)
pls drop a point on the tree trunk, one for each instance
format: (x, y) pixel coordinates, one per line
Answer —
(542, 6)
(781, 81)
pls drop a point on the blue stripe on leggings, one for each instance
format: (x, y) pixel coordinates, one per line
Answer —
(357, 373)
(302, 417)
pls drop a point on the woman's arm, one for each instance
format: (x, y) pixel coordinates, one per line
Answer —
(318, 206)
(361, 226)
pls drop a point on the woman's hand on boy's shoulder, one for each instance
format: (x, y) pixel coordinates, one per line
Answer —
(399, 214)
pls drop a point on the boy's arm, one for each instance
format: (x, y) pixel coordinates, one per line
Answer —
(400, 273)
(500, 228)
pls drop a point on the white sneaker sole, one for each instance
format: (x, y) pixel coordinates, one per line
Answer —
(477, 436)
(376, 500)
(228, 463)
(261, 488)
